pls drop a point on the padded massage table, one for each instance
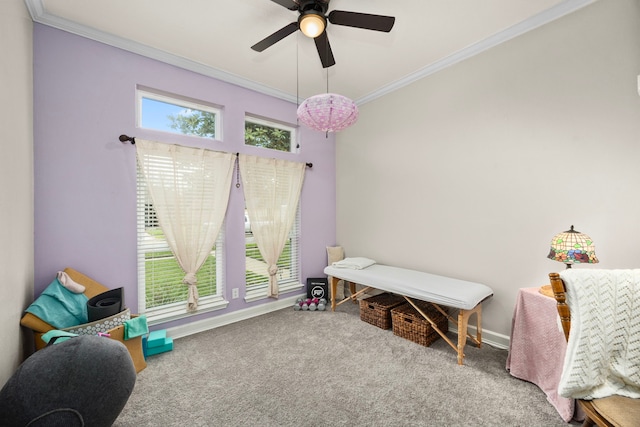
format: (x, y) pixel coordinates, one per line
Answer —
(465, 296)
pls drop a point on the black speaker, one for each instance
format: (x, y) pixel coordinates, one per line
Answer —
(318, 288)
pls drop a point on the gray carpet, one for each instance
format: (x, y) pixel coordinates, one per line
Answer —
(291, 368)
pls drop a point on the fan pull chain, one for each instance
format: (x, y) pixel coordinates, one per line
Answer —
(326, 134)
(327, 71)
(297, 76)
(237, 171)
(297, 88)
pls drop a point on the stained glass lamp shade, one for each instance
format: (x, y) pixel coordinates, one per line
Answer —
(572, 247)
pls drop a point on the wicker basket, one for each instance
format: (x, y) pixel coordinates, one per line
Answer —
(409, 324)
(377, 309)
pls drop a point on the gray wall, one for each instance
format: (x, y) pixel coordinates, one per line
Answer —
(471, 171)
(16, 180)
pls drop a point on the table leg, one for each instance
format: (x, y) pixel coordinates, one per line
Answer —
(334, 289)
(463, 334)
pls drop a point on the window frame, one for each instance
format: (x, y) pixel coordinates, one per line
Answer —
(178, 101)
(261, 121)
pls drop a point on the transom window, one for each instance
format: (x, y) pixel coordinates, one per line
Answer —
(172, 114)
(264, 133)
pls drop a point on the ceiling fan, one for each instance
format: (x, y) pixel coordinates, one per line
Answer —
(313, 22)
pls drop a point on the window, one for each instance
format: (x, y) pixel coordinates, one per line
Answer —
(267, 134)
(256, 275)
(169, 114)
(161, 294)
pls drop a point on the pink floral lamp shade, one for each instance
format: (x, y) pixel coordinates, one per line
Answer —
(572, 247)
(328, 112)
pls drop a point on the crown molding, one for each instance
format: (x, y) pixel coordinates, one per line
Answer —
(40, 15)
(542, 18)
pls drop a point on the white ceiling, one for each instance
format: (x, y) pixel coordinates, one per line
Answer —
(213, 37)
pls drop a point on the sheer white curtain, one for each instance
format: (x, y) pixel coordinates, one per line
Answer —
(271, 191)
(190, 193)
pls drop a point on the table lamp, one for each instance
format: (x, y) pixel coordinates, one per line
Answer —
(572, 247)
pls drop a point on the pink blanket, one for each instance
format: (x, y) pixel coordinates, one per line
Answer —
(537, 347)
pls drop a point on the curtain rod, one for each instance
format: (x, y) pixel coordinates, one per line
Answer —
(124, 138)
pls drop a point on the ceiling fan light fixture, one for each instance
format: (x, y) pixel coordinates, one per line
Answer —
(312, 24)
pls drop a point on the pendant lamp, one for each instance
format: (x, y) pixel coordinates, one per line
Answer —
(328, 112)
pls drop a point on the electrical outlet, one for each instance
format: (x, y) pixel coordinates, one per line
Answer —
(234, 293)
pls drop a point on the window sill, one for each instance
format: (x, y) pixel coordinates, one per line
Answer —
(179, 311)
(261, 292)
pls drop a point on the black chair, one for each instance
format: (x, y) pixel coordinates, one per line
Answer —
(83, 381)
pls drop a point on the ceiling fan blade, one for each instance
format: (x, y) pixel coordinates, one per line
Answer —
(275, 37)
(362, 20)
(324, 50)
(289, 4)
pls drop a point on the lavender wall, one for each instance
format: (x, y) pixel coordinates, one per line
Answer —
(85, 179)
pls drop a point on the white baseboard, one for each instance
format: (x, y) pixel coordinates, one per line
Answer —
(491, 338)
(236, 316)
